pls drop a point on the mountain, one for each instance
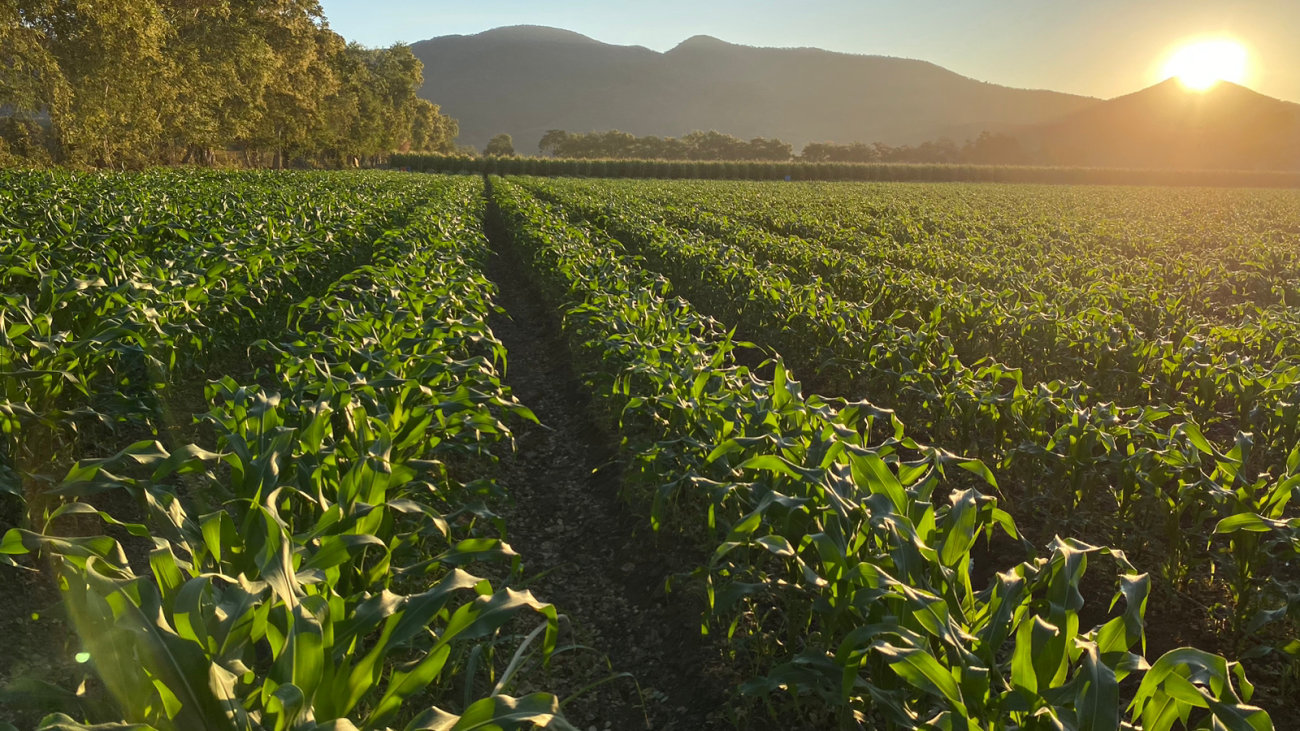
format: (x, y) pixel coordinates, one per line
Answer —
(1167, 126)
(525, 80)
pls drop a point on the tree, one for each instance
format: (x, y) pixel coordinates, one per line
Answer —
(432, 131)
(23, 139)
(553, 142)
(714, 145)
(224, 65)
(761, 148)
(398, 75)
(360, 121)
(30, 79)
(32, 86)
(135, 82)
(697, 145)
(120, 80)
(854, 152)
(994, 149)
(500, 146)
(302, 79)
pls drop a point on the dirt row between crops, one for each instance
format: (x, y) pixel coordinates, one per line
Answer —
(594, 557)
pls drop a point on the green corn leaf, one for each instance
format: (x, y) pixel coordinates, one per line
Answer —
(62, 722)
(922, 671)
(179, 672)
(1097, 705)
(496, 712)
(959, 535)
(1239, 716)
(1251, 523)
(335, 550)
(870, 472)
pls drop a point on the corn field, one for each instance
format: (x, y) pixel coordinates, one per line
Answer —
(958, 456)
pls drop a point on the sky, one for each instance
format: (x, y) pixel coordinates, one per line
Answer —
(1101, 48)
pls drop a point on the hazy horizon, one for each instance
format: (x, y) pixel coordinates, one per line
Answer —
(1102, 49)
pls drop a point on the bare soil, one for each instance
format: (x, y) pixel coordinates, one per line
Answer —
(591, 553)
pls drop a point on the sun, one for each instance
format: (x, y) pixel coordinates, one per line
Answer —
(1199, 65)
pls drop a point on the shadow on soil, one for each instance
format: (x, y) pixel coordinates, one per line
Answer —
(592, 557)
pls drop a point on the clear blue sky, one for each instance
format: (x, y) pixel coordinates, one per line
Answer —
(1097, 47)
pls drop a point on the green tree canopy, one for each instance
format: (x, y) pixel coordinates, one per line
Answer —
(502, 146)
(136, 82)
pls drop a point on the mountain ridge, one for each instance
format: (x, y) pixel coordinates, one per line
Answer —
(524, 80)
(1168, 126)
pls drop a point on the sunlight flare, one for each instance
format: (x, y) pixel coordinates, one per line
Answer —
(1199, 65)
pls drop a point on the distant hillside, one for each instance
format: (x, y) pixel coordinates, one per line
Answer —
(1166, 126)
(526, 80)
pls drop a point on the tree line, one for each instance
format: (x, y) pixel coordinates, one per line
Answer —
(986, 149)
(129, 83)
(616, 145)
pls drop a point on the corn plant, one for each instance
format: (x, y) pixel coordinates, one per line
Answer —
(831, 517)
(116, 287)
(317, 580)
(1131, 470)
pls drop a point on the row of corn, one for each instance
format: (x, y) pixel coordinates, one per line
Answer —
(300, 558)
(850, 557)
